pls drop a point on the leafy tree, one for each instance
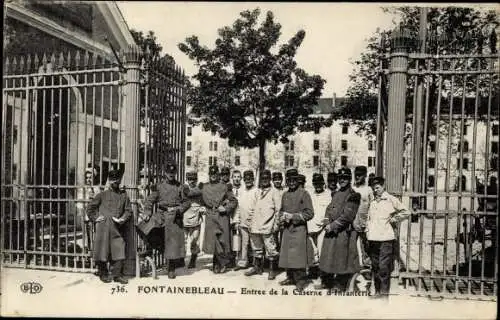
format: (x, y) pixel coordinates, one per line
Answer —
(249, 92)
(450, 30)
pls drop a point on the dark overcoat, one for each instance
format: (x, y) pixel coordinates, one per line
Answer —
(109, 241)
(172, 202)
(339, 254)
(296, 251)
(217, 224)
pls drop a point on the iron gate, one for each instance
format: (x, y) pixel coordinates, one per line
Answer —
(443, 120)
(67, 120)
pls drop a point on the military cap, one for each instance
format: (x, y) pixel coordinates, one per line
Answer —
(318, 178)
(192, 175)
(213, 170)
(378, 180)
(360, 170)
(331, 177)
(292, 173)
(171, 168)
(248, 174)
(114, 176)
(277, 176)
(301, 178)
(344, 172)
(265, 174)
(225, 171)
(91, 170)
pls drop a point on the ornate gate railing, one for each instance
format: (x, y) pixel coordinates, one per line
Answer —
(67, 120)
(446, 155)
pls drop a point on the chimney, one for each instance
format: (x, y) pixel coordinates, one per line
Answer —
(334, 96)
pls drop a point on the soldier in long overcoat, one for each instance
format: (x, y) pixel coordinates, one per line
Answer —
(296, 252)
(110, 210)
(172, 201)
(220, 202)
(339, 255)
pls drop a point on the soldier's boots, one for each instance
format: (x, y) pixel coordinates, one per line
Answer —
(273, 270)
(257, 267)
(313, 272)
(105, 278)
(171, 270)
(192, 261)
(120, 279)
(289, 281)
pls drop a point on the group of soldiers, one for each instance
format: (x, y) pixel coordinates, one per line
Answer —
(331, 234)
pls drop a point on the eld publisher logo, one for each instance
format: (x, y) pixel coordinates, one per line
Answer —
(31, 287)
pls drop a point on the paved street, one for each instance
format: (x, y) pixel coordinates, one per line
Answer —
(70, 294)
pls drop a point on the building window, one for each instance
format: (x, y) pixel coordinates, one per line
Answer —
(211, 146)
(431, 183)
(431, 163)
(237, 161)
(212, 161)
(188, 146)
(371, 145)
(188, 161)
(290, 146)
(215, 145)
(465, 143)
(343, 160)
(465, 129)
(432, 146)
(494, 147)
(213, 132)
(289, 160)
(494, 163)
(494, 130)
(465, 163)
(344, 145)
(315, 161)
(371, 161)
(345, 128)
(316, 144)
(316, 130)
(189, 131)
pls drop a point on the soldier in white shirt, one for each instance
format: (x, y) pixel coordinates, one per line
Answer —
(247, 197)
(359, 224)
(320, 200)
(384, 213)
(263, 227)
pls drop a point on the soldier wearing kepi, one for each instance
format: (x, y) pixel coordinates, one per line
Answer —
(172, 201)
(331, 181)
(247, 198)
(193, 218)
(296, 253)
(302, 181)
(110, 210)
(263, 226)
(220, 202)
(339, 255)
(278, 182)
(359, 223)
(320, 199)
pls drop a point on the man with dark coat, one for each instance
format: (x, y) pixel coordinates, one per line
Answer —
(296, 253)
(110, 210)
(172, 201)
(339, 255)
(220, 202)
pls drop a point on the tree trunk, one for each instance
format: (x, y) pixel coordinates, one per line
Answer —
(262, 155)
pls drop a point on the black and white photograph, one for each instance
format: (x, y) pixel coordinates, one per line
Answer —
(251, 160)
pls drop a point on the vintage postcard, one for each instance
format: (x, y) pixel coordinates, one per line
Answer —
(249, 160)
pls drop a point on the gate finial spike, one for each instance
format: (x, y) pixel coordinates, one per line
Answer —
(21, 64)
(77, 59)
(7, 65)
(14, 65)
(61, 60)
(36, 61)
(28, 63)
(53, 60)
(86, 59)
(94, 60)
(68, 61)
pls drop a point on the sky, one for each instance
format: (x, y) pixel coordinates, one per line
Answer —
(336, 33)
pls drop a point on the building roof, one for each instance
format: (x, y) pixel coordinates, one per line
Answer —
(326, 105)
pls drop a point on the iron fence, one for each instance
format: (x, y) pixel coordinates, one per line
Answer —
(447, 160)
(66, 122)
